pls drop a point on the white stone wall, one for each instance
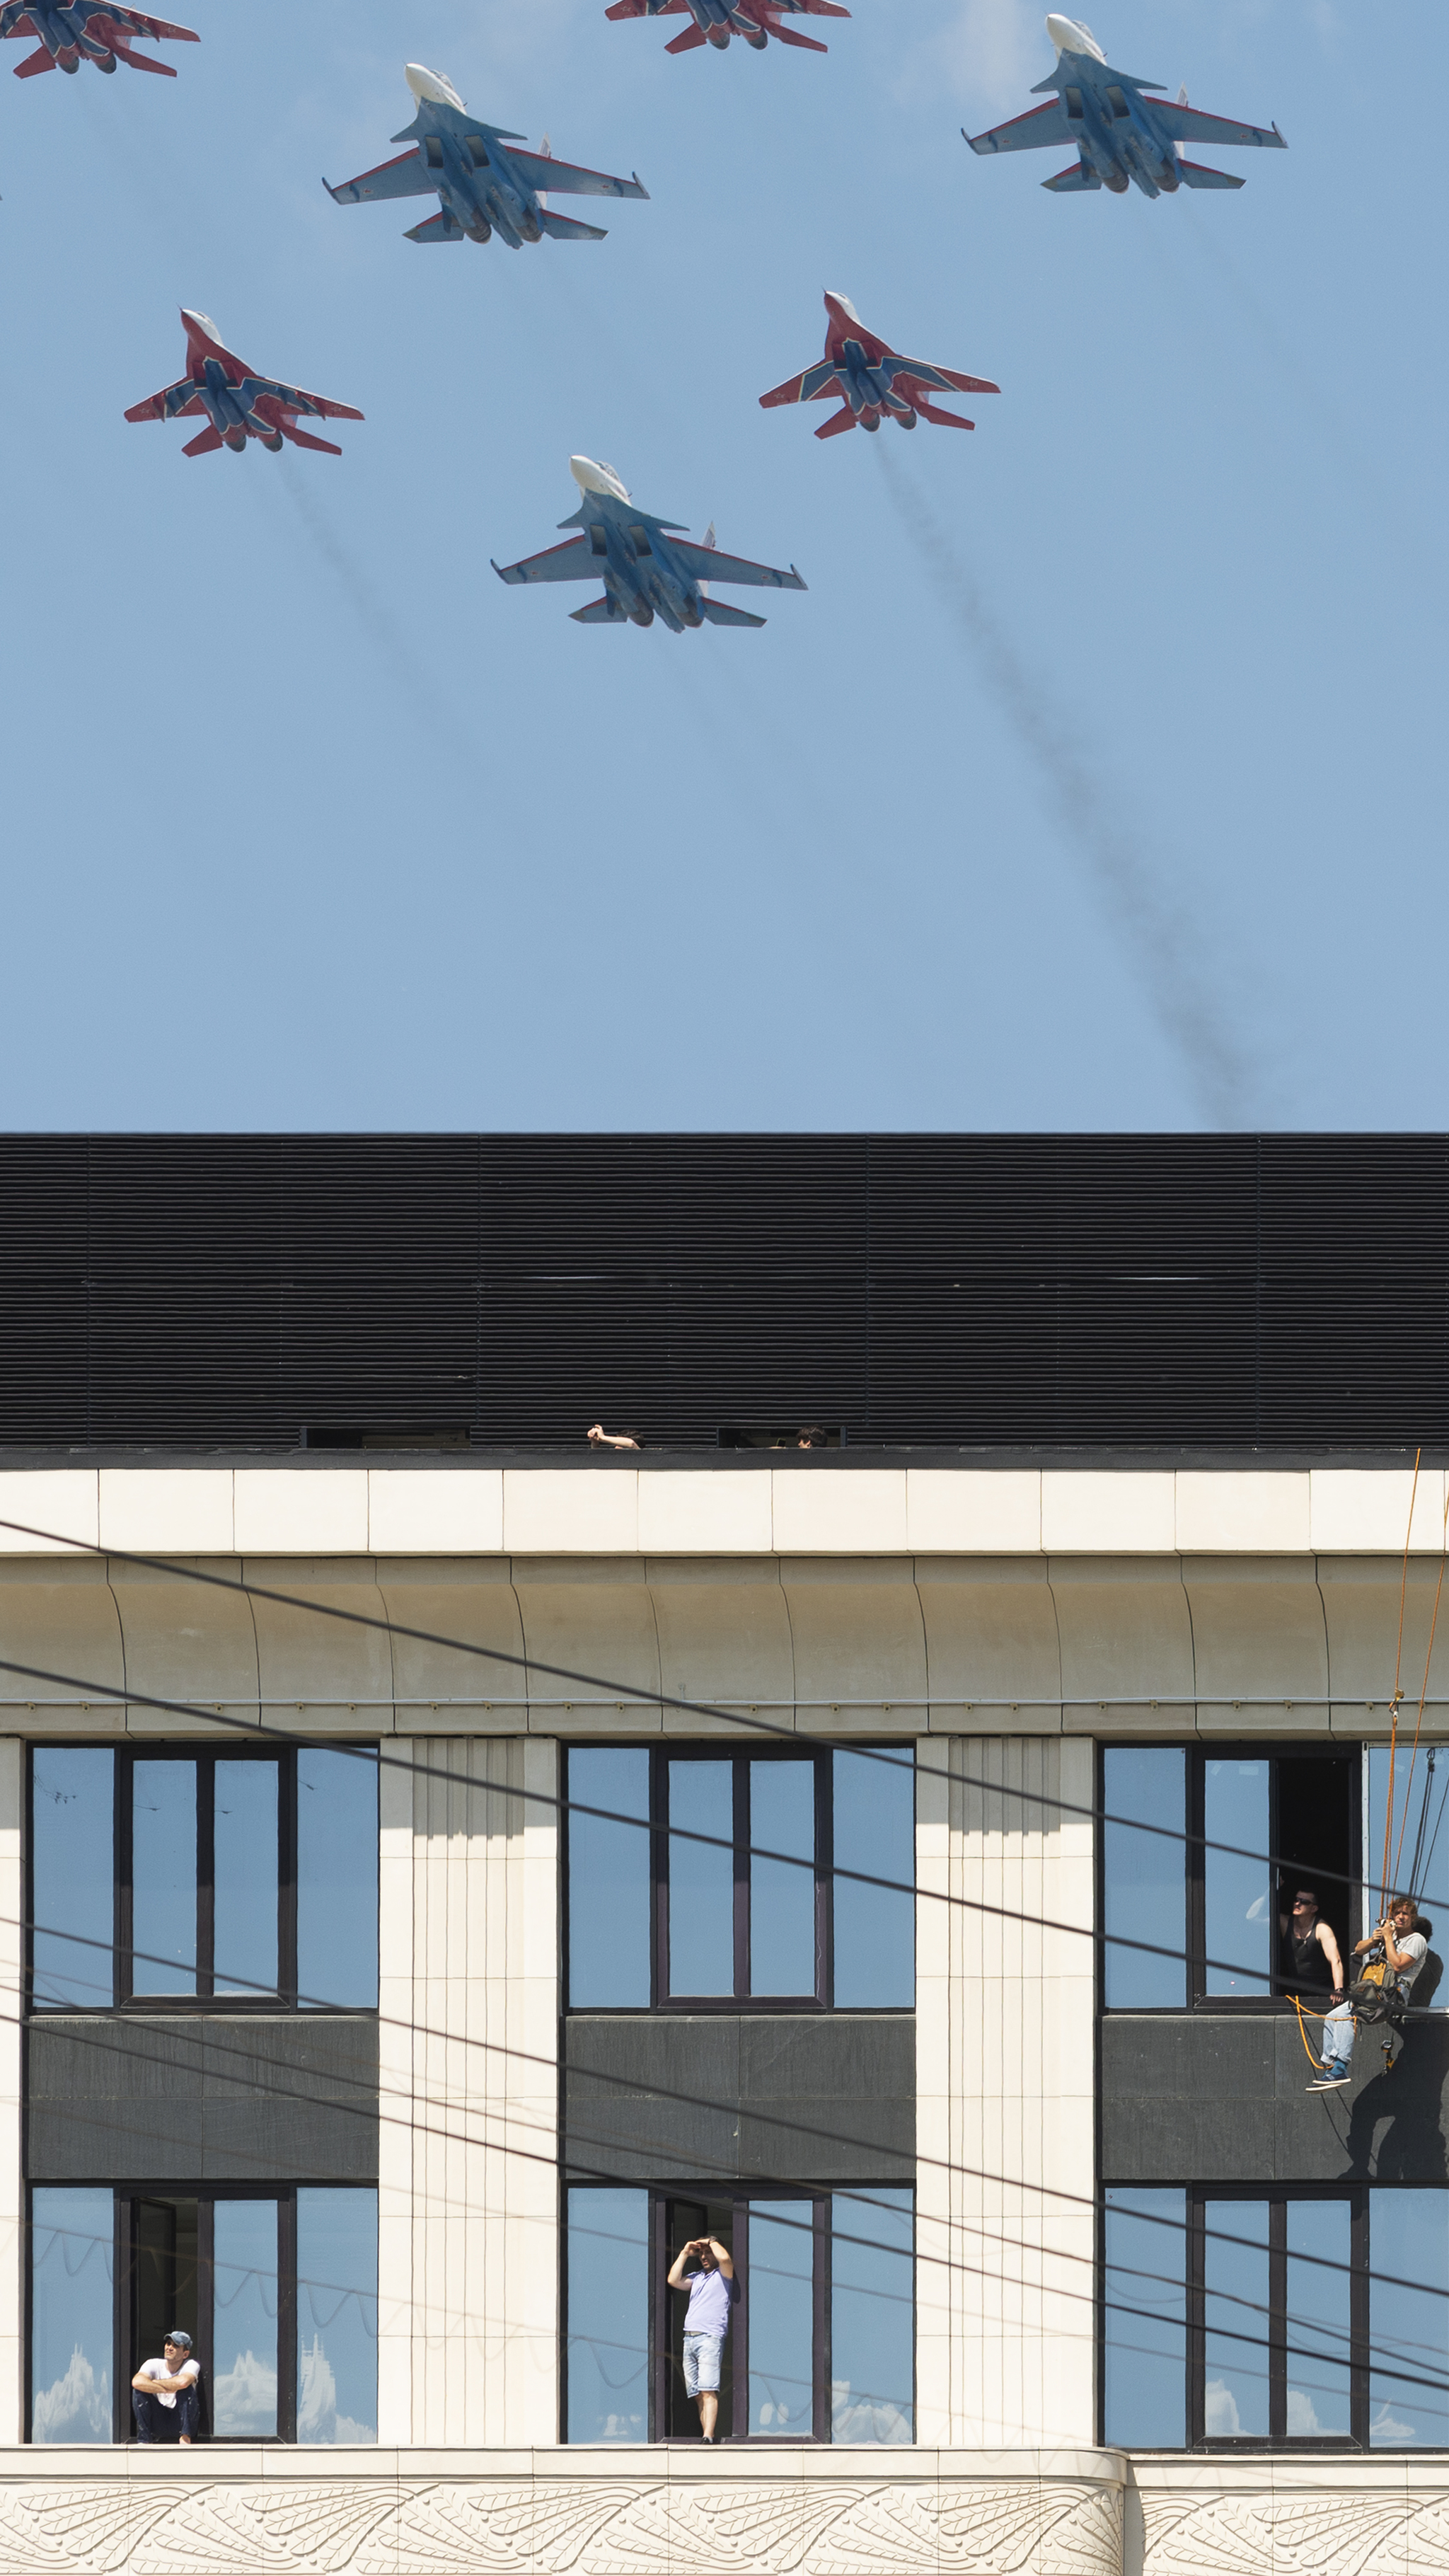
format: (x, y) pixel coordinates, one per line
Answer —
(469, 2250)
(1004, 2085)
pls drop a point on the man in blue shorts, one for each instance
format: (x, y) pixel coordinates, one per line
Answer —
(712, 2293)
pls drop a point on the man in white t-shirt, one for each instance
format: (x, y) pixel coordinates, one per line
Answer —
(1405, 1950)
(170, 2383)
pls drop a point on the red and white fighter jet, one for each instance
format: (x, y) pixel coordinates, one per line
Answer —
(71, 32)
(715, 21)
(872, 380)
(235, 403)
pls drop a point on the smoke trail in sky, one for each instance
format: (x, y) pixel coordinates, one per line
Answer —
(1165, 946)
(417, 683)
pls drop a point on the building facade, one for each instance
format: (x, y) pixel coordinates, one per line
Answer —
(438, 1881)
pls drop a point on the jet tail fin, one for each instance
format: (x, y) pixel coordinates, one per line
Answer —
(564, 228)
(1191, 174)
(33, 63)
(438, 228)
(720, 613)
(599, 612)
(1068, 182)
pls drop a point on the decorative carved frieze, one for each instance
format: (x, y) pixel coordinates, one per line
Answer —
(217, 2523)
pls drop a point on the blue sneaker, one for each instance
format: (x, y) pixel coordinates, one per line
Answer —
(1336, 2072)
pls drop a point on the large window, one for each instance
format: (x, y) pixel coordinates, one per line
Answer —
(1202, 1852)
(1273, 2319)
(822, 2337)
(707, 1877)
(182, 1877)
(278, 2290)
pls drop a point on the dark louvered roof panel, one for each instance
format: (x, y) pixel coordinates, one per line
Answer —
(949, 1291)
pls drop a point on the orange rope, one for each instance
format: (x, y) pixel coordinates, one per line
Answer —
(1424, 1693)
(1398, 1694)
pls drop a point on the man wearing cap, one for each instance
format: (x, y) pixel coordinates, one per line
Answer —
(170, 2383)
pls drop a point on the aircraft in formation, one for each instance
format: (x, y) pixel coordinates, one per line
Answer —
(648, 566)
(715, 21)
(486, 184)
(483, 184)
(1122, 137)
(71, 32)
(872, 380)
(236, 403)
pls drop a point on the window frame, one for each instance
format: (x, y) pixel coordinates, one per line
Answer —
(723, 1749)
(125, 1996)
(1277, 2197)
(1196, 1756)
(124, 2323)
(818, 2200)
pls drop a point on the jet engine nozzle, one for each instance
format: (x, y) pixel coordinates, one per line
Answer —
(596, 478)
(1070, 38)
(431, 86)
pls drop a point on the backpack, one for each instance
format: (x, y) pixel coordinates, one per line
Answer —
(1375, 1995)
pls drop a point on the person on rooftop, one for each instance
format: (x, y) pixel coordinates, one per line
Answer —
(599, 1438)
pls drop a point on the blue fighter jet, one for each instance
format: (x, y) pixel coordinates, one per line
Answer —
(484, 186)
(1119, 134)
(71, 32)
(648, 566)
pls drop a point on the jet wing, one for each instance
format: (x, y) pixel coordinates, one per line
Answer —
(566, 179)
(812, 386)
(139, 24)
(574, 560)
(708, 564)
(407, 176)
(915, 371)
(292, 398)
(1191, 125)
(1040, 125)
(174, 402)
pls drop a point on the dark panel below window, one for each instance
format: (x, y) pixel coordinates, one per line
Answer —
(1220, 2098)
(779, 2096)
(201, 2097)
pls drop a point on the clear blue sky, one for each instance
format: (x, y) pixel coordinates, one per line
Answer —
(1097, 780)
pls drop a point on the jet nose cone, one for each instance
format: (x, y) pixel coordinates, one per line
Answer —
(596, 478)
(201, 322)
(430, 86)
(1066, 35)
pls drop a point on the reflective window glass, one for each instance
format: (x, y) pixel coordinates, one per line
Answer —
(1146, 2319)
(1320, 2248)
(875, 1927)
(782, 1890)
(336, 1878)
(337, 2315)
(1237, 1882)
(608, 2316)
(244, 2329)
(872, 2317)
(1408, 2309)
(246, 1831)
(72, 2259)
(163, 1878)
(701, 1879)
(781, 2317)
(608, 1878)
(73, 1873)
(1144, 1876)
(1235, 2317)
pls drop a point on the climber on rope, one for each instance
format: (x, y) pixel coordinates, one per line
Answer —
(1392, 1956)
